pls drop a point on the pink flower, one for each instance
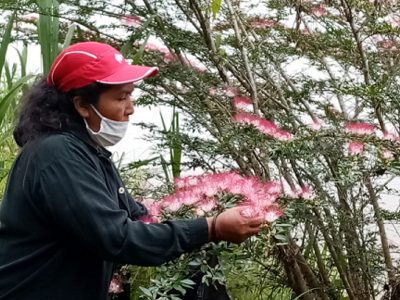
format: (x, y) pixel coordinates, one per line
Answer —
(319, 11)
(390, 137)
(263, 125)
(154, 208)
(164, 50)
(242, 102)
(306, 193)
(282, 135)
(356, 148)
(395, 23)
(212, 91)
(151, 47)
(387, 44)
(172, 203)
(377, 38)
(148, 219)
(272, 213)
(131, 21)
(306, 32)
(316, 125)
(188, 197)
(29, 18)
(250, 211)
(199, 212)
(359, 128)
(262, 23)
(231, 92)
(169, 57)
(207, 204)
(387, 154)
(116, 284)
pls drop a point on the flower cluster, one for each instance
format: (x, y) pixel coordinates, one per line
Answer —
(359, 128)
(242, 103)
(200, 192)
(116, 284)
(266, 127)
(356, 148)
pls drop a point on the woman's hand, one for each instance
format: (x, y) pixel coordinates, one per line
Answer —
(232, 227)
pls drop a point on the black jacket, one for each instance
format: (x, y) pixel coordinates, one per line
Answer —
(66, 218)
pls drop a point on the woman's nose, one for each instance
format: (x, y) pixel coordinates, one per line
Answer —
(129, 109)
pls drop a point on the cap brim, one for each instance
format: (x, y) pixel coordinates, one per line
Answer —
(130, 74)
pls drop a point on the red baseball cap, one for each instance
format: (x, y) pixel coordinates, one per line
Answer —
(85, 63)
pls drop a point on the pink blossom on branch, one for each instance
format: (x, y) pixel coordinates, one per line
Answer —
(266, 127)
(319, 11)
(306, 193)
(272, 213)
(131, 21)
(154, 208)
(387, 154)
(316, 125)
(262, 23)
(116, 284)
(242, 102)
(231, 92)
(359, 128)
(356, 148)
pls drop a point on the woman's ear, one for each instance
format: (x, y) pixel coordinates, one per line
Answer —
(81, 107)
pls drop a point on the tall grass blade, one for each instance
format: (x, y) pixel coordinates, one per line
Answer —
(69, 36)
(10, 97)
(5, 41)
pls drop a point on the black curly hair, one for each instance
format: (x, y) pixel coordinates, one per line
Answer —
(45, 110)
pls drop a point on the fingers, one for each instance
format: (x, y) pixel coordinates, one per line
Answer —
(255, 222)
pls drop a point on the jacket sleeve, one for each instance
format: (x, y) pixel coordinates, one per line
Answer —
(75, 197)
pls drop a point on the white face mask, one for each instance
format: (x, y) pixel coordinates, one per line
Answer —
(110, 133)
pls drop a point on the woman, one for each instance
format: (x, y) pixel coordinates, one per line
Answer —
(66, 217)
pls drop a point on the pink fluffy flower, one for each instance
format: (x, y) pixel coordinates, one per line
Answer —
(154, 208)
(212, 91)
(172, 203)
(262, 23)
(116, 284)
(387, 154)
(151, 47)
(250, 211)
(390, 136)
(395, 23)
(306, 193)
(149, 219)
(319, 11)
(359, 128)
(306, 32)
(242, 102)
(282, 135)
(266, 127)
(356, 148)
(169, 57)
(131, 21)
(231, 92)
(207, 204)
(316, 125)
(272, 213)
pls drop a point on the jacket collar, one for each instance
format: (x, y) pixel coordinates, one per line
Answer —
(80, 131)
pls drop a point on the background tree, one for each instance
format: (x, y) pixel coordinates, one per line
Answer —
(320, 81)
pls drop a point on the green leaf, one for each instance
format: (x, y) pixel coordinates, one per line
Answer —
(6, 41)
(138, 55)
(180, 289)
(218, 41)
(146, 291)
(188, 281)
(215, 7)
(165, 168)
(7, 100)
(68, 37)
